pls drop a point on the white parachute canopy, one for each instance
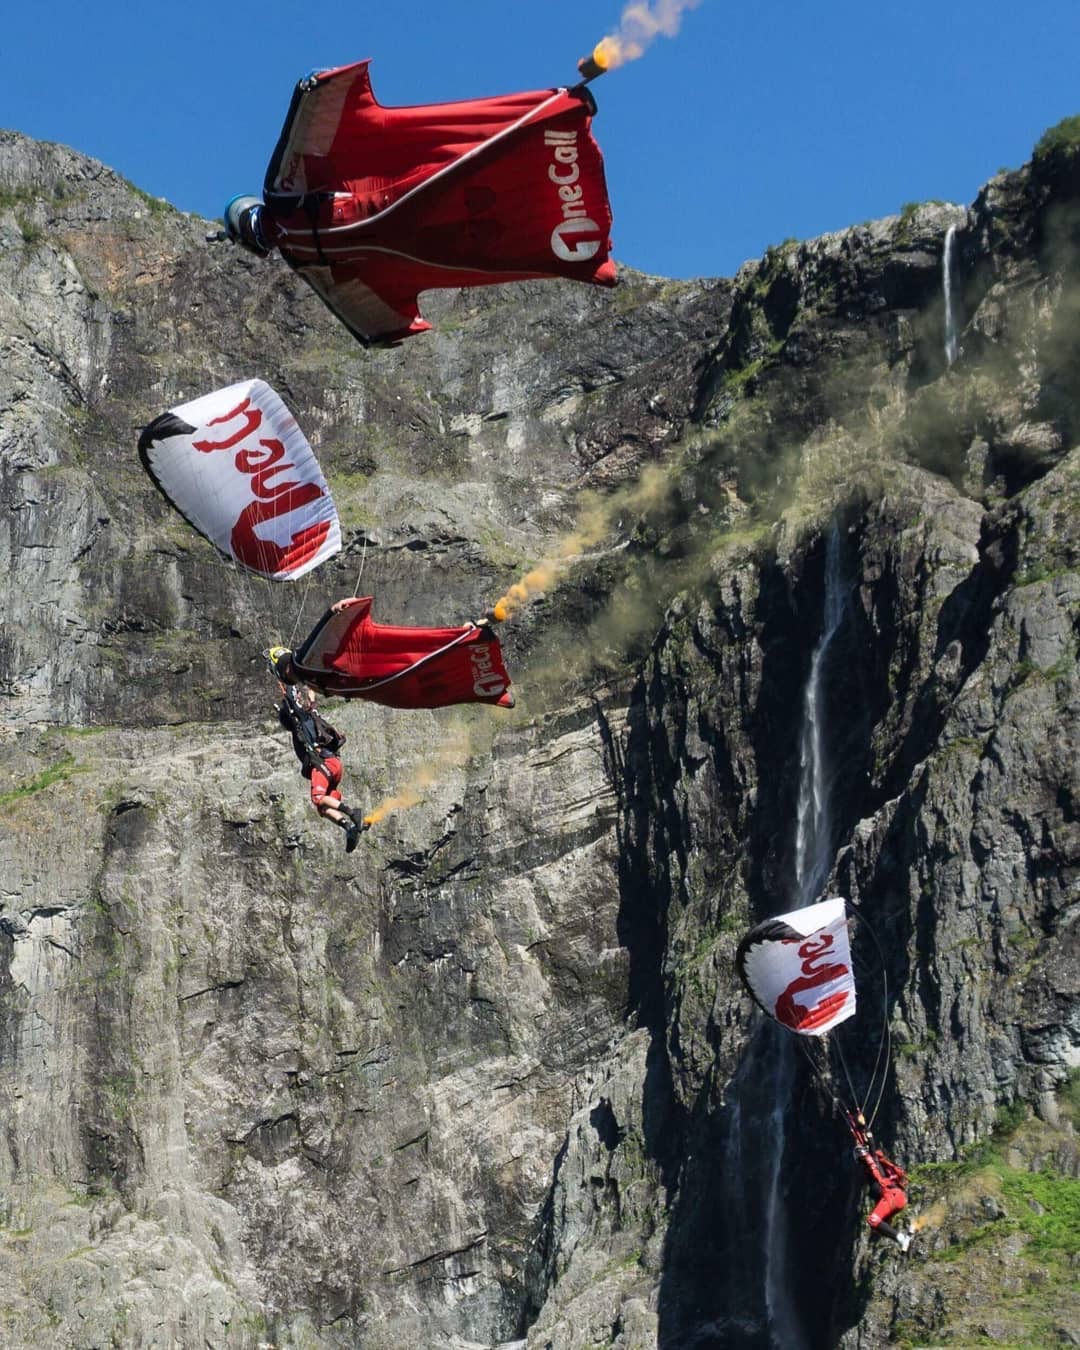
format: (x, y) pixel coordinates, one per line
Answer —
(236, 465)
(797, 967)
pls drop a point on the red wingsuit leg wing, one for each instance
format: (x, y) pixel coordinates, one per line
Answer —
(382, 315)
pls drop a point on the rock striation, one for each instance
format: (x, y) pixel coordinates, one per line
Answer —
(490, 1080)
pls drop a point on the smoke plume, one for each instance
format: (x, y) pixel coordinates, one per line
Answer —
(640, 24)
(597, 516)
(453, 752)
(730, 486)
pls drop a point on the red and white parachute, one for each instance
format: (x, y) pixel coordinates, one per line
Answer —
(797, 967)
(800, 968)
(237, 467)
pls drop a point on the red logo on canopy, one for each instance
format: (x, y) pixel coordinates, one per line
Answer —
(800, 1015)
(261, 463)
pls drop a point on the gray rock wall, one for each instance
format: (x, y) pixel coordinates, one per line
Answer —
(490, 1080)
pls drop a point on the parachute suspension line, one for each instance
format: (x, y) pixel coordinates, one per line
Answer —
(257, 603)
(300, 612)
(363, 559)
(884, 1050)
(824, 1078)
(816, 1068)
(847, 1075)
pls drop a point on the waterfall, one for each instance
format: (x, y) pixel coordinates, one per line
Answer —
(813, 822)
(785, 1332)
(814, 847)
(952, 342)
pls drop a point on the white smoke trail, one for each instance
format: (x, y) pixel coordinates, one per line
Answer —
(640, 24)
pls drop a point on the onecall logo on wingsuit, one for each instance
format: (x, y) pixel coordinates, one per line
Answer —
(487, 682)
(576, 238)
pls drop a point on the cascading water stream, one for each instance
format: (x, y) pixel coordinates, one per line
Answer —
(814, 850)
(785, 1333)
(952, 341)
(813, 822)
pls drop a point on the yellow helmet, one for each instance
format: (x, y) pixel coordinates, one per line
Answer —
(278, 656)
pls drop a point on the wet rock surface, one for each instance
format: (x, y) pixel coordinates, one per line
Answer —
(490, 1080)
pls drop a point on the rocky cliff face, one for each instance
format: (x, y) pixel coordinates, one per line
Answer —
(491, 1080)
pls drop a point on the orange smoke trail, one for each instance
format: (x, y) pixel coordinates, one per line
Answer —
(933, 1217)
(596, 517)
(452, 754)
(641, 22)
(399, 801)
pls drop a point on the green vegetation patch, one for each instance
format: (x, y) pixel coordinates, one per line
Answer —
(23, 196)
(736, 381)
(1058, 142)
(1043, 1206)
(13, 198)
(1040, 572)
(1046, 1207)
(908, 213)
(1026, 671)
(157, 206)
(31, 232)
(59, 772)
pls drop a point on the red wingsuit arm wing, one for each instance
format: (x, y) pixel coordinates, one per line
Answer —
(350, 655)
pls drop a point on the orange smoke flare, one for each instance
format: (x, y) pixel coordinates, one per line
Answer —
(594, 65)
(641, 22)
(933, 1217)
(596, 516)
(452, 754)
(532, 584)
(400, 801)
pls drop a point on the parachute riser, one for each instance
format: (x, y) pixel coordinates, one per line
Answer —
(856, 1123)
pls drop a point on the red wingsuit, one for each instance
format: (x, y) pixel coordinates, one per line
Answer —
(373, 205)
(349, 655)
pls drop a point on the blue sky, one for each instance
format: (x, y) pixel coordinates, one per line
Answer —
(760, 121)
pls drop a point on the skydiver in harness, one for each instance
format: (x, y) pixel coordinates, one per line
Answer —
(316, 744)
(888, 1179)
